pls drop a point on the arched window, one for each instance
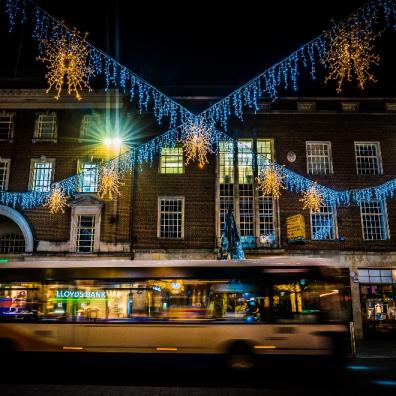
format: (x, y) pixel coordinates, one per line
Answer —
(12, 243)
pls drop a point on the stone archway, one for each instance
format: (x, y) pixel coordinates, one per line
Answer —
(23, 225)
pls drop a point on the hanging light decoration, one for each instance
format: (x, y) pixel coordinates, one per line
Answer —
(109, 183)
(57, 201)
(270, 181)
(197, 143)
(66, 58)
(312, 199)
(350, 53)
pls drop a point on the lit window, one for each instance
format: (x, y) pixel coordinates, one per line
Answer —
(88, 176)
(4, 174)
(6, 126)
(246, 188)
(264, 152)
(171, 161)
(374, 221)
(42, 174)
(85, 234)
(171, 218)
(89, 124)
(226, 178)
(319, 158)
(46, 127)
(372, 275)
(245, 161)
(368, 160)
(12, 243)
(323, 223)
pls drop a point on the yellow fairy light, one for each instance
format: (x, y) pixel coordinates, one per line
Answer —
(57, 201)
(109, 183)
(312, 199)
(351, 53)
(67, 65)
(270, 181)
(197, 144)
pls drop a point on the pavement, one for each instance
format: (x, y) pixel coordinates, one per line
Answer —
(376, 349)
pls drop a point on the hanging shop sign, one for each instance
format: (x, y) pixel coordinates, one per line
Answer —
(295, 228)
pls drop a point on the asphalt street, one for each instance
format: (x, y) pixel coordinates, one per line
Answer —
(118, 374)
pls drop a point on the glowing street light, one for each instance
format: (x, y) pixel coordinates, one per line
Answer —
(115, 142)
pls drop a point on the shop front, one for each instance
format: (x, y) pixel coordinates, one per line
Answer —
(378, 301)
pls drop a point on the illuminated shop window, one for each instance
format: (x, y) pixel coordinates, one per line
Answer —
(171, 161)
(226, 178)
(375, 276)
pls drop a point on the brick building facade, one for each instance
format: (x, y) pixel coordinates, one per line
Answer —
(176, 213)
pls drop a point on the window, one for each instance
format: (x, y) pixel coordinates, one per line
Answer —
(88, 176)
(89, 124)
(319, 158)
(12, 243)
(246, 192)
(371, 275)
(323, 223)
(374, 221)
(171, 218)
(6, 126)
(4, 173)
(226, 178)
(368, 160)
(42, 174)
(46, 127)
(266, 218)
(264, 152)
(171, 161)
(85, 242)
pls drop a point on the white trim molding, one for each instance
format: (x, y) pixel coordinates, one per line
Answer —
(22, 223)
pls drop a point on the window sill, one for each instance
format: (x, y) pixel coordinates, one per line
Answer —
(7, 140)
(44, 141)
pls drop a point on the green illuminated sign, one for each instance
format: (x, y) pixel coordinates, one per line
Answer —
(3, 260)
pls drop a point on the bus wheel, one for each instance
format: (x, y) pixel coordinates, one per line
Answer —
(240, 358)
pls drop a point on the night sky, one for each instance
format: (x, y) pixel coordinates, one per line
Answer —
(199, 43)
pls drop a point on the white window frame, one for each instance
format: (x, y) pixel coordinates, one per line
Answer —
(37, 129)
(379, 157)
(159, 217)
(385, 224)
(309, 157)
(13, 237)
(81, 162)
(335, 224)
(7, 176)
(92, 210)
(11, 126)
(33, 161)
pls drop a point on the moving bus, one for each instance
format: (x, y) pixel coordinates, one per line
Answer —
(234, 308)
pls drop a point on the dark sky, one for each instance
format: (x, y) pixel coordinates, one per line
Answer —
(201, 43)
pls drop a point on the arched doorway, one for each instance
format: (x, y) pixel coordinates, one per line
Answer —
(15, 233)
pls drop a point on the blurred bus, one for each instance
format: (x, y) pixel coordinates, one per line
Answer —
(241, 310)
